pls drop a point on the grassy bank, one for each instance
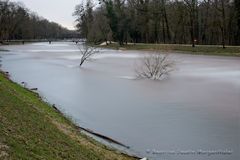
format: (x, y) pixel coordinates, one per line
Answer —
(199, 49)
(31, 129)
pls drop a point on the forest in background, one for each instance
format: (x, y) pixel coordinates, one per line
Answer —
(19, 23)
(203, 22)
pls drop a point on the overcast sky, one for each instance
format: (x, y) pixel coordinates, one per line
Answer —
(59, 11)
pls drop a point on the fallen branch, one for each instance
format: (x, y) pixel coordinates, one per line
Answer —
(34, 89)
(103, 137)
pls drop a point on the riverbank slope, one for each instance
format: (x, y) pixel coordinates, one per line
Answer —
(31, 129)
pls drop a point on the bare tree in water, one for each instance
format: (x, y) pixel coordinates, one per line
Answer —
(87, 52)
(155, 66)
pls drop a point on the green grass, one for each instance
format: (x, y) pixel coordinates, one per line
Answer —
(199, 49)
(31, 129)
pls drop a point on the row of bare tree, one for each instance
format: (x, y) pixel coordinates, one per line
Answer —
(17, 22)
(160, 21)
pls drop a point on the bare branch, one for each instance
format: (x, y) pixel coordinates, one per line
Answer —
(154, 66)
(86, 52)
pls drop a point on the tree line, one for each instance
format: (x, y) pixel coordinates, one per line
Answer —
(208, 22)
(17, 22)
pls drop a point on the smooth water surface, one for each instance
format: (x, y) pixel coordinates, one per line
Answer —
(196, 108)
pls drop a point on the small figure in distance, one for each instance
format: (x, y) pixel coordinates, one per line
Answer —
(23, 42)
(50, 42)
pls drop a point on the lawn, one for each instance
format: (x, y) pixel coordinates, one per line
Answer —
(199, 49)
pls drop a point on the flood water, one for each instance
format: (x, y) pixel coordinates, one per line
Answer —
(194, 114)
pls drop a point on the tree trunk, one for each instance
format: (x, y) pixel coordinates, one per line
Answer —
(223, 24)
(237, 8)
(204, 41)
(192, 31)
(163, 31)
(81, 63)
(166, 20)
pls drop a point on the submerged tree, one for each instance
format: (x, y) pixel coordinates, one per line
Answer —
(155, 66)
(87, 52)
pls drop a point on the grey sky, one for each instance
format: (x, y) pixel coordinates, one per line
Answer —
(59, 11)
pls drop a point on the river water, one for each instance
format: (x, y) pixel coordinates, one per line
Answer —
(194, 114)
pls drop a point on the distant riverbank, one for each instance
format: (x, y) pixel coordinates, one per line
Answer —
(32, 129)
(13, 42)
(183, 48)
(23, 41)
